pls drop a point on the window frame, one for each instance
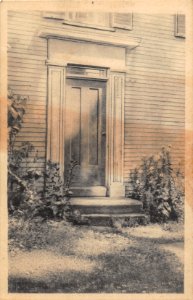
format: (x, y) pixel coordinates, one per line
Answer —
(65, 18)
(117, 25)
(177, 32)
(88, 25)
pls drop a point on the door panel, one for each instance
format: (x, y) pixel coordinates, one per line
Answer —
(84, 131)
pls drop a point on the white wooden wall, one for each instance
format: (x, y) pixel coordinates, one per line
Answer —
(154, 91)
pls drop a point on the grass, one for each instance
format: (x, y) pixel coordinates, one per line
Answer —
(72, 259)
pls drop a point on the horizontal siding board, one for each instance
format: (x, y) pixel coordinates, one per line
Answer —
(20, 40)
(34, 121)
(36, 57)
(158, 114)
(35, 110)
(163, 102)
(21, 51)
(155, 89)
(38, 144)
(36, 134)
(157, 67)
(172, 62)
(154, 48)
(158, 55)
(24, 46)
(153, 118)
(31, 80)
(139, 69)
(26, 62)
(20, 72)
(32, 116)
(144, 123)
(32, 139)
(149, 127)
(28, 78)
(143, 106)
(131, 157)
(172, 96)
(144, 133)
(170, 41)
(26, 89)
(154, 81)
(26, 131)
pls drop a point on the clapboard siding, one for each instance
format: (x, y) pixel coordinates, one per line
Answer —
(154, 85)
(154, 92)
(27, 74)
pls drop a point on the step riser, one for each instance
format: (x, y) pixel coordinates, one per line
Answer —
(107, 209)
(111, 221)
(95, 191)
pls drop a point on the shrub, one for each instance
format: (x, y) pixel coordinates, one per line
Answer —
(159, 187)
(21, 179)
(55, 202)
(23, 198)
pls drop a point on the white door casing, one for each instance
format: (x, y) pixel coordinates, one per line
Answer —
(97, 54)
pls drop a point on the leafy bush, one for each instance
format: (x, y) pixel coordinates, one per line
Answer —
(28, 207)
(20, 177)
(23, 198)
(159, 187)
(55, 201)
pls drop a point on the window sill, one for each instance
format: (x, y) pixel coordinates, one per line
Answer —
(93, 26)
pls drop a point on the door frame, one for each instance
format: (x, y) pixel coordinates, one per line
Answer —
(115, 82)
(107, 50)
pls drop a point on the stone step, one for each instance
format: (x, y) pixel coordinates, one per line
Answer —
(112, 220)
(93, 191)
(105, 205)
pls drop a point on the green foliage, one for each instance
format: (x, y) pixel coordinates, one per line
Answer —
(23, 198)
(20, 177)
(55, 203)
(16, 111)
(54, 182)
(159, 187)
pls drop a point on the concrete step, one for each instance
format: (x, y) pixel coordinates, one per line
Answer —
(92, 191)
(105, 205)
(112, 220)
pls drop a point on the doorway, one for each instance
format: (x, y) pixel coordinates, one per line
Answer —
(85, 131)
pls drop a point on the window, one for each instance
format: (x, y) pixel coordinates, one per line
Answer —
(123, 21)
(180, 25)
(92, 19)
(106, 21)
(83, 71)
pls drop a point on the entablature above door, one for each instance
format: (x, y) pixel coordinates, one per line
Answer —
(102, 38)
(85, 47)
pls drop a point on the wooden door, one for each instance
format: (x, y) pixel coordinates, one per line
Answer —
(85, 131)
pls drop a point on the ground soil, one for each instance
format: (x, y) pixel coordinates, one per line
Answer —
(145, 259)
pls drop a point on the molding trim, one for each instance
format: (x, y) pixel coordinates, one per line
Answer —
(59, 63)
(55, 63)
(102, 38)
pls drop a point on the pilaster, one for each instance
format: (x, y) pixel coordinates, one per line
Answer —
(56, 107)
(116, 134)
